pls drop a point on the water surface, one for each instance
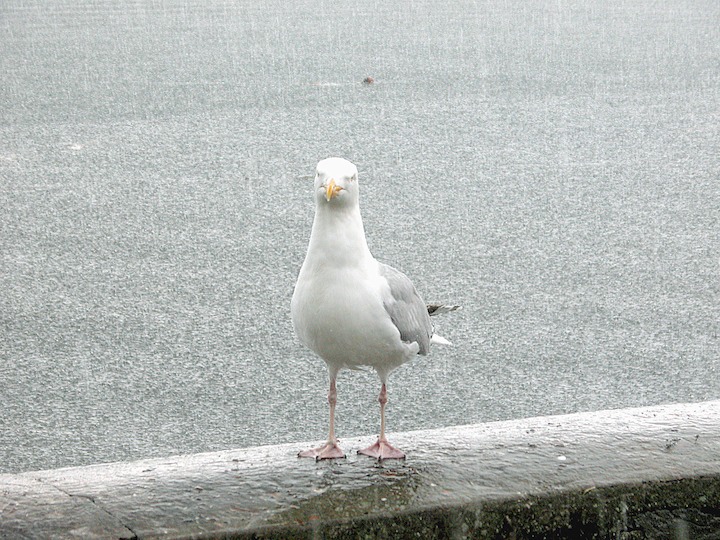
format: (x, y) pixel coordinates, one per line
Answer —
(550, 166)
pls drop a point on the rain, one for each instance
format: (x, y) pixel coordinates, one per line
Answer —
(550, 166)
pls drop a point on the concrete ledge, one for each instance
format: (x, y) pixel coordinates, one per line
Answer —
(638, 473)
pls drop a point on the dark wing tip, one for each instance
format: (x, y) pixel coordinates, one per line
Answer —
(439, 309)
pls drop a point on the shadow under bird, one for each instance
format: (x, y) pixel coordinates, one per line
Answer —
(351, 309)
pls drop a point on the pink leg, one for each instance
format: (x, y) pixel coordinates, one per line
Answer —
(382, 449)
(330, 450)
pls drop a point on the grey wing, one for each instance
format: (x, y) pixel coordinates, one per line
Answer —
(406, 309)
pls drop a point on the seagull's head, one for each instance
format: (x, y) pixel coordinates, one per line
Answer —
(336, 182)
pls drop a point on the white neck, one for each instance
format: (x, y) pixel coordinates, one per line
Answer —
(339, 233)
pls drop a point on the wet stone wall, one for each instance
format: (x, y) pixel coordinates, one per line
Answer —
(636, 473)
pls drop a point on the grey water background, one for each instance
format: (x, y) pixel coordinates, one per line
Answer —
(552, 166)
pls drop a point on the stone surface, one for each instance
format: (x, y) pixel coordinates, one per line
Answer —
(635, 473)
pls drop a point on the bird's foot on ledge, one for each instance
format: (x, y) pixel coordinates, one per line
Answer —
(382, 449)
(330, 450)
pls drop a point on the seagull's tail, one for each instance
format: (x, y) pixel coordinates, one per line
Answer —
(439, 340)
(439, 309)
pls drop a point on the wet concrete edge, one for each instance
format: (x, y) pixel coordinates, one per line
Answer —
(633, 473)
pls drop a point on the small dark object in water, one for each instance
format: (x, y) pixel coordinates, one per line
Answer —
(368, 80)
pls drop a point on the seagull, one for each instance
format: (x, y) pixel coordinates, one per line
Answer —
(350, 309)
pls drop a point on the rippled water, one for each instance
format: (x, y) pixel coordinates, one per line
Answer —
(551, 166)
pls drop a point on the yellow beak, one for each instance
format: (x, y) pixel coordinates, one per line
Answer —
(332, 190)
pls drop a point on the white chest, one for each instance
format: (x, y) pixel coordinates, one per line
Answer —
(339, 314)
